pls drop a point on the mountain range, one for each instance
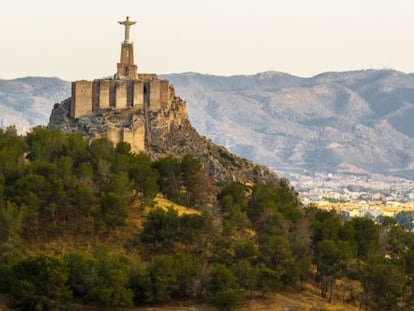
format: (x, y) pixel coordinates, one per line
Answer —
(356, 122)
(359, 121)
(27, 102)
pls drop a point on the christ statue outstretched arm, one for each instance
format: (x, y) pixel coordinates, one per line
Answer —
(127, 23)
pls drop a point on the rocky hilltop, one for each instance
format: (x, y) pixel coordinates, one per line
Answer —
(144, 111)
(169, 133)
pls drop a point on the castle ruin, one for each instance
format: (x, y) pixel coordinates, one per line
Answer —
(128, 89)
(142, 110)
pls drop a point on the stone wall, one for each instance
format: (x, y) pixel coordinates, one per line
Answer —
(114, 134)
(81, 98)
(104, 99)
(138, 95)
(154, 95)
(135, 136)
(121, 92)
(164, 93)
(88, 96)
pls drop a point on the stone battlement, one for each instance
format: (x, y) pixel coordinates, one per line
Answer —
(140, 96)
(90, 96)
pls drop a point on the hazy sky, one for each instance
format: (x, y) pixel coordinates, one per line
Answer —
(76, 39)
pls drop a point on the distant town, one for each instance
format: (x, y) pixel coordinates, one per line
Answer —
(372, 195)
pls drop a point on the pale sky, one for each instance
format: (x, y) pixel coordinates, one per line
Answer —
(80, 39)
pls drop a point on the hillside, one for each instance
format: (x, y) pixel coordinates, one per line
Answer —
(92, 224)
(333, 121)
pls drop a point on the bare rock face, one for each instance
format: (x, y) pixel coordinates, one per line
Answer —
(183, 139)
(168, 132)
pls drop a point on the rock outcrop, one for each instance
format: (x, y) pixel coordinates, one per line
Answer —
(145, 112)
(168, 132)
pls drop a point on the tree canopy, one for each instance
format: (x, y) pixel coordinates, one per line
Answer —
(248, 241)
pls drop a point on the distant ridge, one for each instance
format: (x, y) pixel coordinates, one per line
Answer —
(27, 102)
(358, 117)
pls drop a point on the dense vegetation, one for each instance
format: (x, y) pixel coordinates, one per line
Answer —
(245, 241)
